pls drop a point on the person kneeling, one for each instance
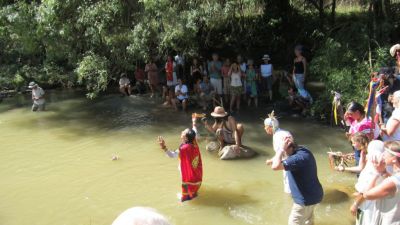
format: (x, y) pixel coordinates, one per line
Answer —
(181, 93)
(125, 85)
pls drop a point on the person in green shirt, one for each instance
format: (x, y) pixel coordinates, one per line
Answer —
(214, 68)
(251, 85)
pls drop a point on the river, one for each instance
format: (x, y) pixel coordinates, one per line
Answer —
(56, 166)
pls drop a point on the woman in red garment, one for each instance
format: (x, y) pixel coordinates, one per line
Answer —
(190, 163)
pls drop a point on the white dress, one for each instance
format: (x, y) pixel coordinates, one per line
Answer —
(388, 209)
(278, 141)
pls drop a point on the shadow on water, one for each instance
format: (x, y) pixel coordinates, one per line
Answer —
(218, 197)
(335, 196)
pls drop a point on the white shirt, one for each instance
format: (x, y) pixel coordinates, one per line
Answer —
(183, 92)
(278, 141)
(38, 93)
(124, 81)
(266, 70)
(235, 79)
(396, 135)
(243, 67)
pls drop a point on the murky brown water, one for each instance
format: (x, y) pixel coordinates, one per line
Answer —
(56, 168)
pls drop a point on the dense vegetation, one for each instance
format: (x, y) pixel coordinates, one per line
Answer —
(89, 43)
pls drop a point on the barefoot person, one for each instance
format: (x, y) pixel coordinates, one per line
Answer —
(225, 127)
(305, 188)
(271, 126)
(190, 163)
(181, 93)
(38, 97)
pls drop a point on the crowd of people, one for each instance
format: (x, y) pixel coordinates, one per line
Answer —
(213, 82)
(373, 130)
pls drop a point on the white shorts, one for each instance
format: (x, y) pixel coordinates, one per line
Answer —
(217, 85)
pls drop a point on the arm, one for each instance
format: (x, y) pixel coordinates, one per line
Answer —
(277, 161)
(233, 125)
(171, 154)
(386, 188)
(359, 168)
(391, 127)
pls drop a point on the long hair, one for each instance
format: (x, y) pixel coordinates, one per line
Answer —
(362, 139)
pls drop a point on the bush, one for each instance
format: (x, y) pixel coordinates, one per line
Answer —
(93, 72)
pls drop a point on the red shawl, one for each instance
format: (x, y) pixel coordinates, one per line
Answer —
(191, 169)
(170, 70)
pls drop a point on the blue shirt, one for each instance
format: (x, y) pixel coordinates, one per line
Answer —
(215, 72)
(303, 179)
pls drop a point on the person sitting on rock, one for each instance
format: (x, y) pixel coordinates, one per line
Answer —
(227, 130)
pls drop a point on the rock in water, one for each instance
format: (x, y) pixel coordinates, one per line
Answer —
(228, 152)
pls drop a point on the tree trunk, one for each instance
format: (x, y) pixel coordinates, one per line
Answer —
(333, 12)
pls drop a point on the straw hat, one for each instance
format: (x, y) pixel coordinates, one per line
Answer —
(266, 57)
(394, 49)
(219, 112)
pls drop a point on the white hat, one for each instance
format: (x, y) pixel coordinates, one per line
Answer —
(219, 112)
(266, 57)
(32, 85)
(394, 49)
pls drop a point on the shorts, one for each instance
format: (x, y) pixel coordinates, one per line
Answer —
(40, 107)
(217, 85)
(301, 215)
(236, 90)
(266, 83)
(181, 100)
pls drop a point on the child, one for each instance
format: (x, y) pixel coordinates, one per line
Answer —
(266, 76)
(359, 141)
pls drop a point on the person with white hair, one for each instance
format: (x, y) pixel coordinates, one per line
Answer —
(271, 126)
(39, 102)
(361, 208)
(140, 216)
(305, 188)
(391, 130)
(395, 52)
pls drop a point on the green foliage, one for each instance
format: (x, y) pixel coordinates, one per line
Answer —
(93, 72)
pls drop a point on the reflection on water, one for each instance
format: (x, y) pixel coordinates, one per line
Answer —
(56, 166)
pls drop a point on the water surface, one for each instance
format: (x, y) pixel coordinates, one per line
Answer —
(56, 169)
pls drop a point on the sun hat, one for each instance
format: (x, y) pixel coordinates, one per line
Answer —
(266, 57)
(32, 84)
(219, 112)
(394, 49)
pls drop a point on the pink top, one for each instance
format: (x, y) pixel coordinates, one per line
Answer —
(364, 126)
(225, 71)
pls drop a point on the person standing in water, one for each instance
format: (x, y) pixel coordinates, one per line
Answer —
(214, 68)
(125, 85)
(190, 163)
(299, 68)
(236, 86)
(271, 127)
(305, 188)
(39, 102)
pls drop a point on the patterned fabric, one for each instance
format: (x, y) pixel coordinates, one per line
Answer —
(191, 169)
(236, 90)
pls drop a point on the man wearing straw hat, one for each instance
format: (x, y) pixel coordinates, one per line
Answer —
(305, 188)
(37, 97)
(271, 126)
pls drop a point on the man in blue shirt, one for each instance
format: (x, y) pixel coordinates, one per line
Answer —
(306, 190)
